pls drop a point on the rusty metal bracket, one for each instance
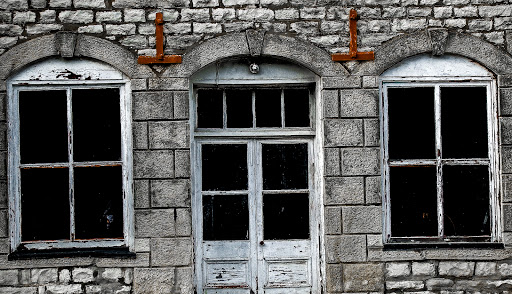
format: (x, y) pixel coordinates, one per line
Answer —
(160, 57)
(353, 54)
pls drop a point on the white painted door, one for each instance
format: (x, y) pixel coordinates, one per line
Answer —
(257, 217)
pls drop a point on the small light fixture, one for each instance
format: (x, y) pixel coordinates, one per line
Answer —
(254, 68)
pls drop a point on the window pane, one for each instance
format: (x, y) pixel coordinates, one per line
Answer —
(45, 204)
(96, 125)
(98, 202)
(296, 108)
(286, 216)
(225, 217)
(466, 201)
(464, 122)
(411, 120)
(210, 111)
(224, 167)
(413, 201)
(268, 108)
(239, 108)
(285, 166)
(43, 126)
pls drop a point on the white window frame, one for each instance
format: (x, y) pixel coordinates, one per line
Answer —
(252, 137)
(105, 77)
(493, 155)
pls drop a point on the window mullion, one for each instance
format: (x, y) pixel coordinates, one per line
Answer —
(282, 109)
(70, 166)
(224, 110)
(439, 165)
(253, 97)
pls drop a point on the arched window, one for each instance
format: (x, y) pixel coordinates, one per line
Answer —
(440, 151)
(255, 200)
(69, 157)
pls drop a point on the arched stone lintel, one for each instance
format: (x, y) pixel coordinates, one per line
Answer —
(236, 45)
(64, 44)
(399, 48)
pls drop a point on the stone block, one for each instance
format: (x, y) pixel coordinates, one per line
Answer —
(18, 290)
(185, 280)
(89, 4)
(109, 16)
(128, 276)
(485, 269)
(44, 276)
(372, 190)
(8, 277)
(78, 16)
(398, 269)
(169, 83)
(171, 252)
(505, 101)
(142, 245)
(141, 191)
(507, 217)
(4, 246)
(120, 30)
(343, 132)
(223, 14)
(346, 248)
(347, 190)
(183, 222)
(182, 163)
(83, 275)
(154, 223)
(363, 277)
(153, 280)
(140, 135)
(456, 268)
(152, 105)
(371, 132)
(3, 195)
(362, 219)
(332, 161)
(505, 269)
(370, 82)
(439, 284)
(360, 161)
(170, 193)
(13, 4)
(153, 164)
(334, 278)
(359, 103)
(65, 276)
(134, 15)
(423, 269)
(405, 285)
(374, 241)
(331, 103)
(168, 135)
(64, 289)
(112, 274)
(341, 82)
(3, 224)
(333, 220)
(181, 105)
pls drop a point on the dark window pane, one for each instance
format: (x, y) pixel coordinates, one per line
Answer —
(98, 202)
(296, 108)
(413, 201)
(43, 126)
(268, 108)
(209, 109)
(96, 125)
(45, 204)
(239, 108)
(411, 123)
(285, 166)
(464, 122)
(225, 217)
(224, 167)
(286, 216)
(466, 201)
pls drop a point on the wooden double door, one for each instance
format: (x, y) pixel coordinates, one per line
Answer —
(256, 217)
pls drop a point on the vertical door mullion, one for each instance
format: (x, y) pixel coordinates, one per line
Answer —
(224, 110)
(258, 169)
(439, 165)
(253, 100)
(253, 211)
(385, 160)
(282, 109)
(70, 166)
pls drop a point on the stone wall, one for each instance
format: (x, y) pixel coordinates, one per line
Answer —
(188, 22)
